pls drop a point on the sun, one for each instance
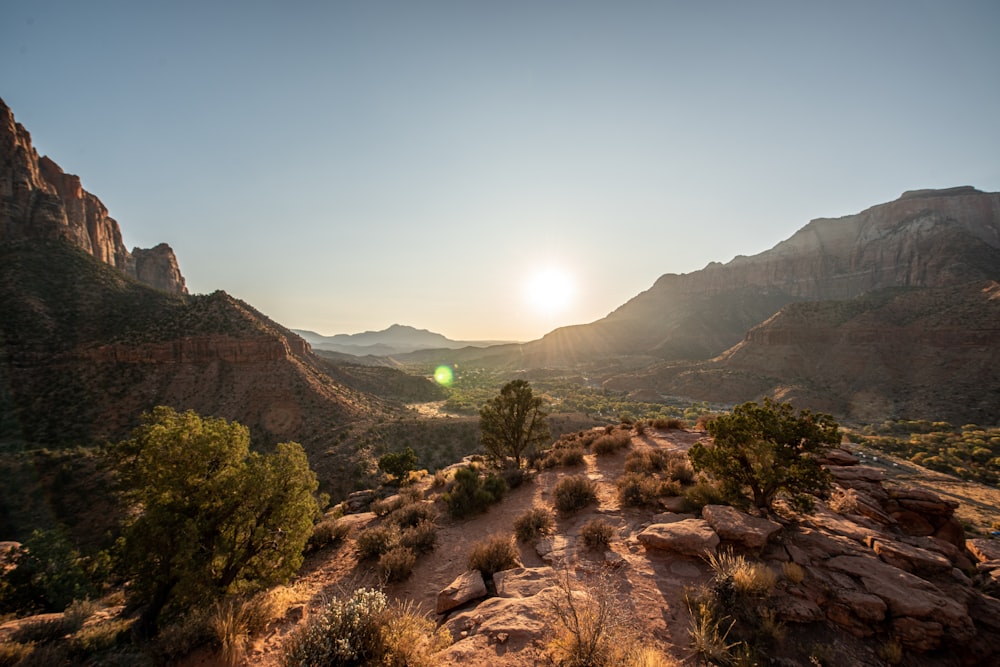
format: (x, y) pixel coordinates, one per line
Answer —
(550, 290)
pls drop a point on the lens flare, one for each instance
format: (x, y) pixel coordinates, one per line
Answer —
(444, 376)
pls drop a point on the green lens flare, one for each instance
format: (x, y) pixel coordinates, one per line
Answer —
(444, 376)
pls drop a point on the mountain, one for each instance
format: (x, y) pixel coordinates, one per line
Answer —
(40, 201)
(897, 352)
(926, 238)
(93, 335)
(397, 339)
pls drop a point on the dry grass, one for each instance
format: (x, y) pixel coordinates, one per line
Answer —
(533, 523)
(574, 492)
(637, 490)
(597, 534)
(793, 572)
(396, 564)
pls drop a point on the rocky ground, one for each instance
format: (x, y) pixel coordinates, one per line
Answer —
(888, 565)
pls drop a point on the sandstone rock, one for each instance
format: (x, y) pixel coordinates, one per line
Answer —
(39, 201)
(917, 634)
(554, 549)
(796, 609)
(691, 537)
(922, 502)
(865, 606)
(522, 582)
(909, 558)
(467, 587)
(735, 526)
(359, 501)
(522, 620)
(983, 549)
(838, 457)
(912, 523)
(951, 531)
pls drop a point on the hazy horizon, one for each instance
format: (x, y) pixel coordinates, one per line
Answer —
(494, 171)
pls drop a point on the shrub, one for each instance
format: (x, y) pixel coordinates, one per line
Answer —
(611, 443)
(348, 632)
(377, 540)
(412, 638)
(396, 564)
(679, 469)
(234, 621)
(411, 514)
(635, 490)
(746, 577)
(472, 495)
(646, 460)
(440, 479)
(640, 428)
(421, 538)
(597, 534)
(705, 492)
(565, 456)
(385, 506)
(328, 532)
(672, 423)
(533, 524)
(398, 464)
(494, 554)
(574, 492)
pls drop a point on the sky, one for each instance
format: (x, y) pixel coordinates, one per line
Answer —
(344, 166)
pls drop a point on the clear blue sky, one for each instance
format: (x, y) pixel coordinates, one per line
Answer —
(346, 165)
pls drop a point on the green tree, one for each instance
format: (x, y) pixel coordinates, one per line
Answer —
(512, 423)
(768, 449)
(210, 516)
(399, 463)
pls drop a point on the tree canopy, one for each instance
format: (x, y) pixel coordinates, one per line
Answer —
(768, 449)
(512, 423)
(210, 516)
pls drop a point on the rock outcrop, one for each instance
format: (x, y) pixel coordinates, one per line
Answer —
(39, 201)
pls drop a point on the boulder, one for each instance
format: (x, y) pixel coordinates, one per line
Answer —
(518, 621)
(838, 457)
(912, 523)
(922, 502)
(917, 634)
(691, 537)
(466, 587)
(553, 549)
(735, 526)
(359, 501)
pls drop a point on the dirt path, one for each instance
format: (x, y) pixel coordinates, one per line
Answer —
(652, 583)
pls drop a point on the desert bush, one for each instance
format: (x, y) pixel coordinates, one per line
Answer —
(670, 488)
(420, 538)
(668, 423)
(574, 492)
(637, 490)
(471, 494)
(646, 461)
(705, 492)
(328, 532)
(412, 513)
(611, 443)
(533, 524)
(563, 456)
(597, 534)
(398, 464)
(14, 653)
(679, 469)
(348, 632)
(494, 554)
(440, 479)
(377, 540)
(640, 427)
(513, 477)
(396, 564)
(793, 572)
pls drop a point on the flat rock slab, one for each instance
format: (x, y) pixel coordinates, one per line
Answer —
(691, 537)
(984, 549)
(522, 582)
(466, 587)
(908, 557)
(733, 525)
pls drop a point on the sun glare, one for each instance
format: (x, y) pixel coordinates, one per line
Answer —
(550, 290)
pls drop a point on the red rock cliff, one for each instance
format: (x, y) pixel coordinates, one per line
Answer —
(38, 200)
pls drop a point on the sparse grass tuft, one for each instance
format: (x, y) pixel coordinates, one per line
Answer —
(574, 492)
(891, 651)
(533, 523)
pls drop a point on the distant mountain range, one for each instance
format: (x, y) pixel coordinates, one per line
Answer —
(907, 286)
(397, 339)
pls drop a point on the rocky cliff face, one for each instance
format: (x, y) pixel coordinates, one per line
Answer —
(926, 238)
(38, 200)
